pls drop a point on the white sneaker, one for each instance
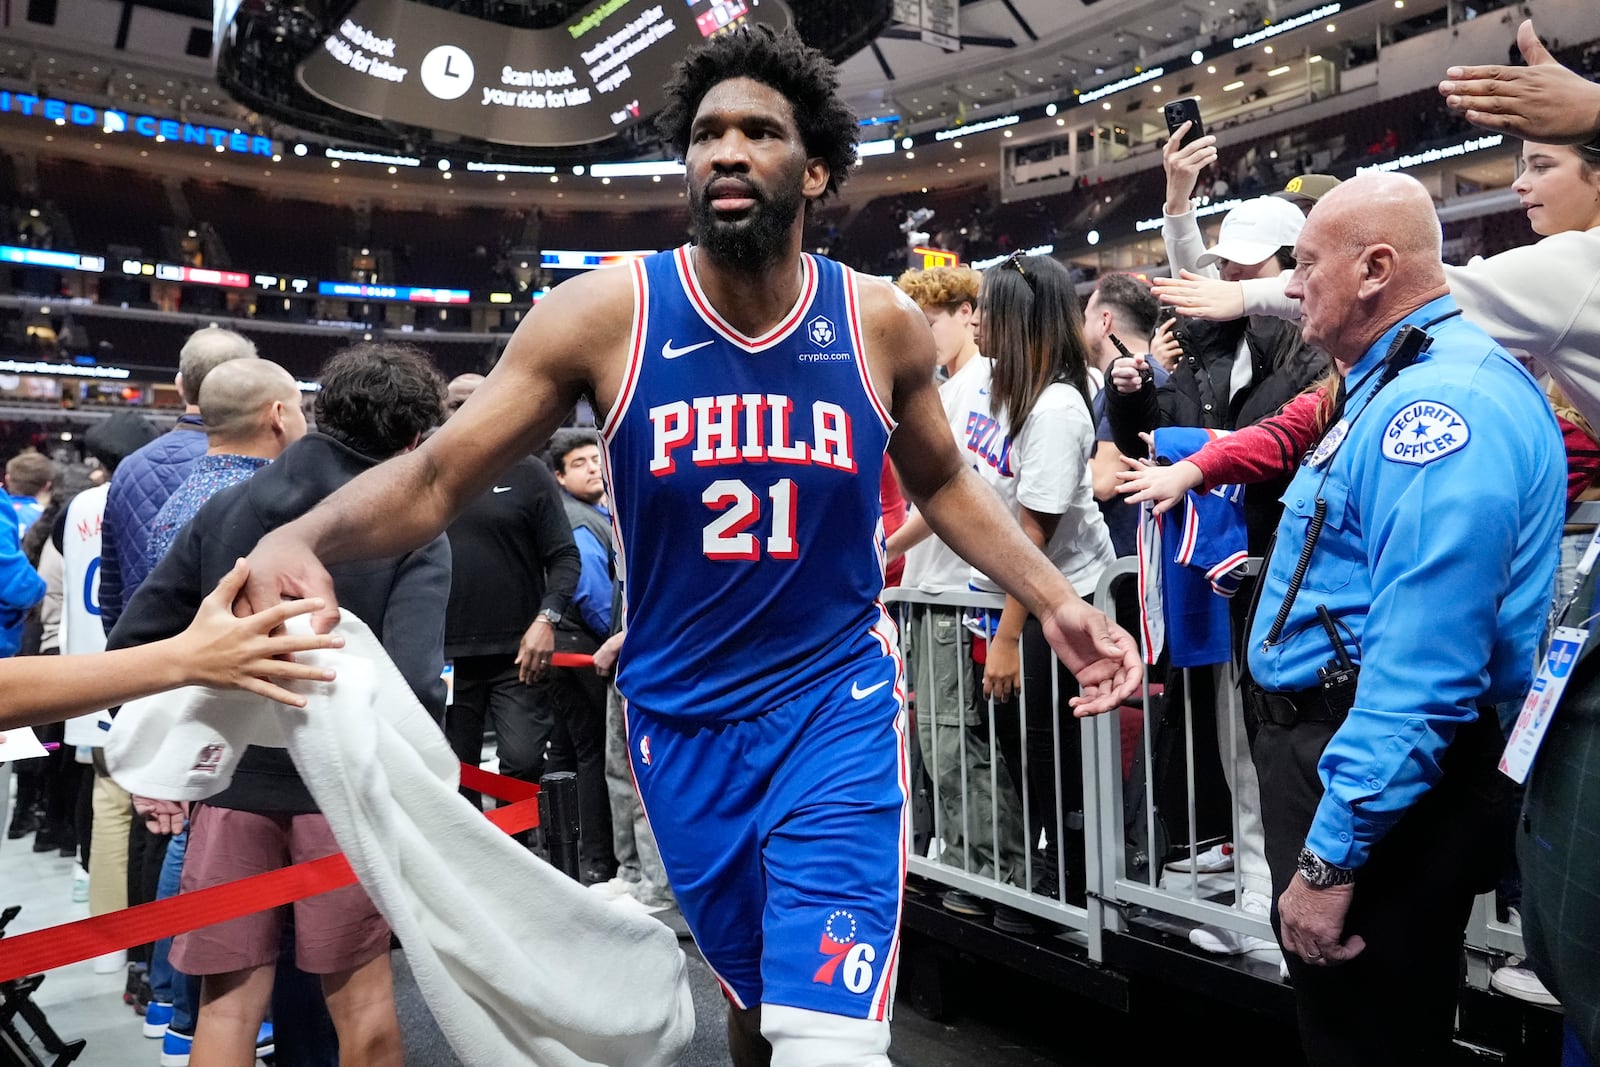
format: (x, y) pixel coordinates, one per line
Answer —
(613, 890)
(1523, 984)
(1214, 860)
(1223, 942)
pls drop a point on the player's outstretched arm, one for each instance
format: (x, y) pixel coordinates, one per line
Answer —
(1543, 101)
(969, 517)
(216, 650)
(572, 342)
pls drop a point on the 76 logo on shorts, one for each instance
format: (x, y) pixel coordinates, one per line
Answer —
(840, 946)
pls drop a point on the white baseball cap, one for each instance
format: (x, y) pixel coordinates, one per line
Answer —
(1254, 230)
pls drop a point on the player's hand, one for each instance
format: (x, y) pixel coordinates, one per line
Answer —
(1098, 652)
(1198, 297)
(223, 651)
(1183, 166)
(166, 817)
(1127, 375)
(1311, 923)
(1543, 101)
(605, 657)
(1002, 668)
(1162, 486)
(283, 567)
(533, 654)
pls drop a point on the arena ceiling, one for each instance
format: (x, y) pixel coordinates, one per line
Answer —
(1015, 53)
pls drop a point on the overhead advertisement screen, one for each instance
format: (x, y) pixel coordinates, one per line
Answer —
(572, 84)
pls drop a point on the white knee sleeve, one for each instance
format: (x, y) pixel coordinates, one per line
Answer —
(802, 1038)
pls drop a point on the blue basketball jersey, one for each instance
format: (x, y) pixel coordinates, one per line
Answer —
(1201, 547)
(745, 476)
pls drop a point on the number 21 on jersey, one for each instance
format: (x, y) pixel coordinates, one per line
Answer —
(729, 535)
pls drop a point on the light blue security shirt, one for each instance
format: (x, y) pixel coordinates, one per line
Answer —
(1437, 558)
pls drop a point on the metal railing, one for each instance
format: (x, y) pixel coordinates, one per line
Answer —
(966, 850)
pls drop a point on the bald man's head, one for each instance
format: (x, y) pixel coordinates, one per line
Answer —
(248, 403)
(1369, 255)
(1392, 209)
(460, 388)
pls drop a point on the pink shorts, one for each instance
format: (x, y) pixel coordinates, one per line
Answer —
(334, 931)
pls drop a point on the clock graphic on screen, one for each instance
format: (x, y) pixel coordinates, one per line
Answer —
(447, 72)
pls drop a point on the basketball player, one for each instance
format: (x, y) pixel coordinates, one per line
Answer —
(747, 392)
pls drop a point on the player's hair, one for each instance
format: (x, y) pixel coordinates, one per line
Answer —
(28, 473)
(944, 288)
(1131, 301)
(208, 347)
(566, 441)
(378, 397)
(1033, 331)
(782, 61)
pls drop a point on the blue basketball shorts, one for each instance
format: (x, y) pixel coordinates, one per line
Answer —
(785, 837)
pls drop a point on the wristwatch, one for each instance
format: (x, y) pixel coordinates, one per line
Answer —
(551, 616)
(1320, 874)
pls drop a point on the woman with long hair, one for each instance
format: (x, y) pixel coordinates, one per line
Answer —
(1037, 458)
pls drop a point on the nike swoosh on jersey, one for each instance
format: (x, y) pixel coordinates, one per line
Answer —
(861, 694)
(502, 489)
(669, 352)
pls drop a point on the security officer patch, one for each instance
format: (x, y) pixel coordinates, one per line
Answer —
(1423, 432)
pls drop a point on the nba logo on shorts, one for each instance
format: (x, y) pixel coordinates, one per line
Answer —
(839, 945)
(644, 750)
(820, 331)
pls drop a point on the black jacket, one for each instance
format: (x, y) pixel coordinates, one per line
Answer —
(513, 556)
(1197, 394)
(402, 598)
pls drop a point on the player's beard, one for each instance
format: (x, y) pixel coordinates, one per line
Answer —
(755, 240)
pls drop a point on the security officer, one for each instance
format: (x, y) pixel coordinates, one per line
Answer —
(1406, 593)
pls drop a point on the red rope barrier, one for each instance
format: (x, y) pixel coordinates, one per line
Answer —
(57, 946)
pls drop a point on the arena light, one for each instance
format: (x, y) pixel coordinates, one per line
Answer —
(1036, 250)
(1213, 208)
(15, 366)
(643, 169)
(977, 127)
(44, 257)
(1305, 19)
(371, 157)
(507, 168)
(1436, 155)
(867, 149)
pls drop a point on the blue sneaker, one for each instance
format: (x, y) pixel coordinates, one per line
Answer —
(175, 1048)
(264, 1045)
(156, 1018)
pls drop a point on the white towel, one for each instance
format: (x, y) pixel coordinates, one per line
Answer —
(518, 963)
